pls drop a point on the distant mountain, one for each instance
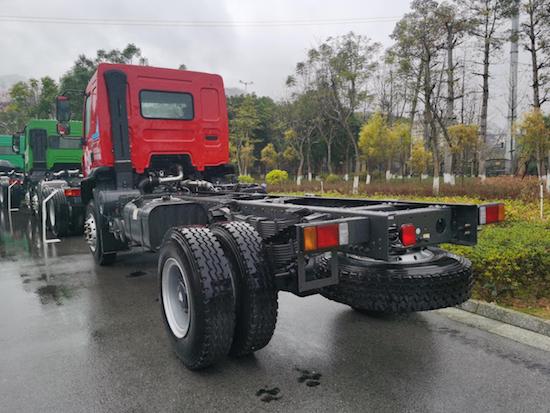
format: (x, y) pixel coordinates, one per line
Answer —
(7, 81)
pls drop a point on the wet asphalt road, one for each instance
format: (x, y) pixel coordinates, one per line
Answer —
(78, 338)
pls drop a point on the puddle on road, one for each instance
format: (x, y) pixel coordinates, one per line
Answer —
(52, 293)
(310, 378)
(267, 395)
(136, 274)
(49, 288)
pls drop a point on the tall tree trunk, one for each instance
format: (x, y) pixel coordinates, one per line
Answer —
(448, 175)
(308, 160)
(430, 132)
(329, 156)
(484, 109)
(533, 50)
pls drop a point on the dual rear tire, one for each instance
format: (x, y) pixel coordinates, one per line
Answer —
(217, 294)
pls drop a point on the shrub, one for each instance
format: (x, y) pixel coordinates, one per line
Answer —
(332, 179)
(276, 177)
(510, 260)
(246, 179)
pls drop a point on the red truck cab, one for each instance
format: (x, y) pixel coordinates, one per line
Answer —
(176, 116)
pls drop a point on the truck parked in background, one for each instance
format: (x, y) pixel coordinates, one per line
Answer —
(11, 173)
(52, 163)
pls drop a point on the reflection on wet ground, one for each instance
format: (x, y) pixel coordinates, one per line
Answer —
(77, 337)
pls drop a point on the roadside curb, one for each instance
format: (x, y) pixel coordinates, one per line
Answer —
(515, 318)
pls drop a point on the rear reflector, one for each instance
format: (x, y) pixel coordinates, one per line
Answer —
(491, 213)
(72, 192)
(407, 235)
(326, 236)
(310, 238)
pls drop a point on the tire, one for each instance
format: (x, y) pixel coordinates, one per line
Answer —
(59, 214)
(76, 226)
(378, 288)
(35, 202)
(254, 284)
(3, 196)
(194, 274)
(95, 233)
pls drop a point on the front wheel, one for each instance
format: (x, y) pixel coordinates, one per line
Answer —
(94, 232)
(197, 296)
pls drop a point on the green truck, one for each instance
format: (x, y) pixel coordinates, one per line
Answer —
(8, 154)
(11, 166)
(52, 163)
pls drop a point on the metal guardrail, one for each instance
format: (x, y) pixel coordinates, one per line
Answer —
(10, 209)
(45, 239)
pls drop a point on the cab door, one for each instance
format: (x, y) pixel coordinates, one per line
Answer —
(39, 143)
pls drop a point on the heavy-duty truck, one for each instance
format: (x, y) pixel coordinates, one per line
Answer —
(52, 163)
(156, 155)
(11, 177)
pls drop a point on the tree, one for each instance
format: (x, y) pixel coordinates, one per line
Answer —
(400, 138)
(455, 27)
(342, 67)
(420, 158)
(32, 99)
(463, 141)
(485, 16)
(536, 33)
(270, 157)
(374, 141)
(420, 32)
(75, 80)
(534, 138)
(242, 127)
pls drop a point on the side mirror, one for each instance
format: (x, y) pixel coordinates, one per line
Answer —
(62, 109)
(15, 143)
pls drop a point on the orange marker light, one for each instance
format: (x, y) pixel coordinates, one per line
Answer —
(310, 239)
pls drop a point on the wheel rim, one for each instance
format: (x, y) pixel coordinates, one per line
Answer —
(175, 298)
(51, 213)
(34, 203)
(90, 232)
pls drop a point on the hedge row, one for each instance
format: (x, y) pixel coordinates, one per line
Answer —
(511, 261)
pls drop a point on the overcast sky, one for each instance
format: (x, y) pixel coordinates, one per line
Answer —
(262, 54)
(247, 49)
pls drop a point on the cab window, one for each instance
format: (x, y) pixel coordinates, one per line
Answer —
(166, 105)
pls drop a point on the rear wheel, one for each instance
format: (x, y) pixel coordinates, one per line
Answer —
(435, 279)
(94, 233)
(35, 202)
(254, 286)
(197, 296)
(3, 195)
(59, 214)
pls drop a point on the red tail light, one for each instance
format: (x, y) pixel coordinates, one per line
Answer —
(15, 181)
(407, 235)
(72, 192)
(325, 236)
(328, 236)
(491, 213)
